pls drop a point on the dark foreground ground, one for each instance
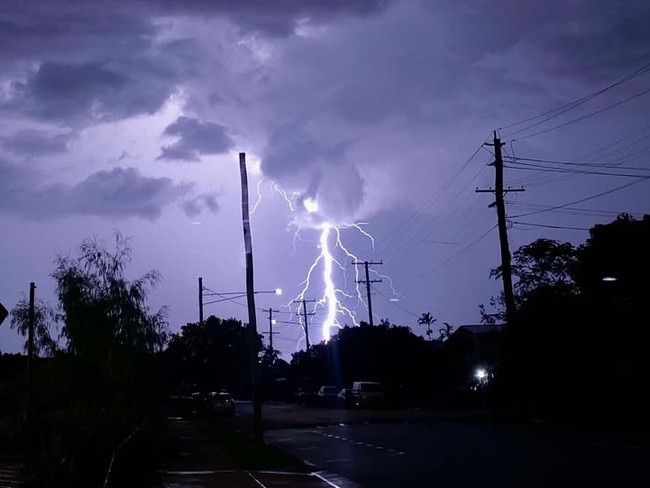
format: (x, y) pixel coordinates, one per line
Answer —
(419, 448)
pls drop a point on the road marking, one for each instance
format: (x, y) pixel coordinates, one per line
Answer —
(197, 472)
(283, 473)
(337, 460)
(287, 439)
(306, 448)
(333, 485)
(256, 480)
(352, 441)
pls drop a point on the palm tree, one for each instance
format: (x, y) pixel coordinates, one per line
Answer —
(445, 332)
(428, 320)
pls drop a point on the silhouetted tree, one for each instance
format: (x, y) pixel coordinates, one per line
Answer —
(428, 320)
(445, 332)
(562, 358)
(211, 356)
(100, 309)
(44, 321)
(542, 263)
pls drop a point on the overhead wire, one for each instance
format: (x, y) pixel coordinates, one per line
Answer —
(454, 256)
(583, 117)
(401, 229)
(581, 200)
(550, 226)
(550, 114)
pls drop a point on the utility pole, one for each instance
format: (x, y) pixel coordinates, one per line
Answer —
(499, 193)
(200, 301)
(368, 281)
(30, 371)
(270, 332)
(305, 314)
(250, 295)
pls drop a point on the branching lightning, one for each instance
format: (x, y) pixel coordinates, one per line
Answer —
(332, 295)
(339, 303)
(330, 243)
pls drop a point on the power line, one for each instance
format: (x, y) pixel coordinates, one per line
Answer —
(533, 167)
(400, 230)
(549, 226)
(454, 256)
(576, 103)
(581, 200)
(586, 164)
(576, 210)
(398, 305)
(591, 114)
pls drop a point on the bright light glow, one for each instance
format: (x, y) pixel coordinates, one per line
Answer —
(480, 374)
(274, 321)
(310, 205)
(278, 291)
(610, 278)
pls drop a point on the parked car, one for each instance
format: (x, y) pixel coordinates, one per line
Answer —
(344, 398)
(367, 394)
(327, 395)
(221, 403)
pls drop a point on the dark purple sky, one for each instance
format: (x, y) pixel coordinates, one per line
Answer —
(129, 116)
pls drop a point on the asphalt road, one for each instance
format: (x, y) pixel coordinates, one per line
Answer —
(426, 453)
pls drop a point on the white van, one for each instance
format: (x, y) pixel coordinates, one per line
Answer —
(367, 394)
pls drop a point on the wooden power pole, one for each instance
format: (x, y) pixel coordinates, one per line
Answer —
(368, 281)
(499, 193)
(250, 295)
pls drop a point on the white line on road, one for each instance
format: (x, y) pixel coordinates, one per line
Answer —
(333, 485)
(359, 443)
(256, 480)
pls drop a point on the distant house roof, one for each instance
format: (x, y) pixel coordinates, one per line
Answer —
(481, 342)
(481, 328)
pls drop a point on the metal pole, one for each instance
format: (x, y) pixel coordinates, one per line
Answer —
(370, 321)
(200, 301)
(250, 293)
(271, 329)
(304, 312)
(30, 368)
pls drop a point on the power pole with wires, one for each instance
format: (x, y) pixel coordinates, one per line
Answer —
(270, 332)
(499, 193)
(200, 301)
(368, 281)
(305, 315)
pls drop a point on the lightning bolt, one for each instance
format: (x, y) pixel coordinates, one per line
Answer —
(331, 262)
(259, 193)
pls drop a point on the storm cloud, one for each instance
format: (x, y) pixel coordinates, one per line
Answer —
(116, 193)
(36, 143)
(195, 138)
